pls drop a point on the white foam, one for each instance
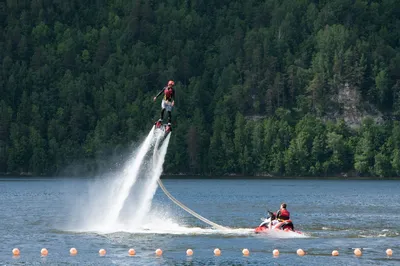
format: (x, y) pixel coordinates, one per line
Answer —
(143, 206)
(101, 208)
(124, 184)
(283, 234)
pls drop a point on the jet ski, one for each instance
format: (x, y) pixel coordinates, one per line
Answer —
(276, 225)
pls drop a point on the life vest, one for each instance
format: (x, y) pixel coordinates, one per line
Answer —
(283, 214)
(168, 93)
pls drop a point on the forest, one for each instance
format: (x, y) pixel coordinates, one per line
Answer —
(263, 87)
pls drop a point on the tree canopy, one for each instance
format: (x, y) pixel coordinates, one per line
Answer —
(296, 88)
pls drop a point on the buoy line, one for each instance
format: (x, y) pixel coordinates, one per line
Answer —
(177, 202)
(217, 252)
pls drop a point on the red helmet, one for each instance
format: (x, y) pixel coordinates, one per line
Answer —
(171, 83)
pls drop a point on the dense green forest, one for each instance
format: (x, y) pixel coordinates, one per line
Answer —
(279, 87)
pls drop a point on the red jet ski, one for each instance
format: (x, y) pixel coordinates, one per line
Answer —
(276, 226)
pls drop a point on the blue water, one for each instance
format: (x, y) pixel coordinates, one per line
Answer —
(342, 215)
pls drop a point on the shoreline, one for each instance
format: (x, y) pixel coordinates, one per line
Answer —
(279, 177)
(209, 177)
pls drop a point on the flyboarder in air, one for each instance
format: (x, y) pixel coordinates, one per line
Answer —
(167, 103)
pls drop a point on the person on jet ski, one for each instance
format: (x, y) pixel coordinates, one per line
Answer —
(282, 214)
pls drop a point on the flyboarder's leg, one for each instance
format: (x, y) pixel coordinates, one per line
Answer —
(169, 117)
(162, 114)
(169, 109)
(159, 122)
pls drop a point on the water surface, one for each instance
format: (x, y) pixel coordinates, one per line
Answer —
(342, 215)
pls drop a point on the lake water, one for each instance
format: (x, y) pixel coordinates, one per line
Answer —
(341, 215)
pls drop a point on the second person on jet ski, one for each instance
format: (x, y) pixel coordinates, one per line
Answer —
(282, 214)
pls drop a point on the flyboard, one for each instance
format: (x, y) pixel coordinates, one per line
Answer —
(166, 128)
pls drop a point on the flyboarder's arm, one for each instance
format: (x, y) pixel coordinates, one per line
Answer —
(173, 97)
(154, 99)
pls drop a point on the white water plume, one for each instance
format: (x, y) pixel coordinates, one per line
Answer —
(100, 209)
(120, 202)
(125, 182)
(143, 206)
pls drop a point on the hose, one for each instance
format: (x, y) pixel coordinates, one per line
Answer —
(217, 226)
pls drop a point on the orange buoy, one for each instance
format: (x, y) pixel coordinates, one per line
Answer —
(15, 252)
(73, 251)
(300, 252)
(131, 252)
(159, 252)
(44, 252)
(102, 252)
(335, 253)
(246, 252)
(389, 252)
(275, 252)
(357, 252)
(217, 252)
(189, 252)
